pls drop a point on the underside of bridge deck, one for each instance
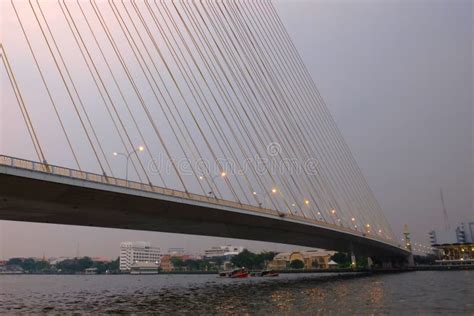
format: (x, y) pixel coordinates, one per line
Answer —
(27, 196)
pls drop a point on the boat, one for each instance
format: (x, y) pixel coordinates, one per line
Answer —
(239, 273)
(235, 274)
(269, 274)
(224, 274)
(265, 274)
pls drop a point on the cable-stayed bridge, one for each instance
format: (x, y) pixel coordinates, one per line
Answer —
(194, 117)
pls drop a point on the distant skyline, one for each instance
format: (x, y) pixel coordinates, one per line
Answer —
(397, 77)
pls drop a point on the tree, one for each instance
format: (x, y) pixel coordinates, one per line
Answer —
(177, 262)
(297, 264)
(15, 261)
(262, 259)
(251, 260)
(84, 263)
(100, 266)
(30, 264)
(244, 259)
(75, 265)
(343, 259)
(191, 264)
(114, 265)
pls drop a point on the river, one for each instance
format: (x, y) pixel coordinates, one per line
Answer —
(423, 292)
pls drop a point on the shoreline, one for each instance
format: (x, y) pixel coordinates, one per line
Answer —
(369, 271)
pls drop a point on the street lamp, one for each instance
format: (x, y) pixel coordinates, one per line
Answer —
(223, 174)
(128, 156)
(265, 194)
(367, 228)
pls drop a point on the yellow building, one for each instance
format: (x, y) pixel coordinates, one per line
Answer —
(312, 259)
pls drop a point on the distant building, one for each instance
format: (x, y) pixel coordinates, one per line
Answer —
(223, 251)
(144, 268)
(176, 251)
(166, 264)
(463, 233)
(457, 253)
(91, 271)
(312, 259)
(137, 252)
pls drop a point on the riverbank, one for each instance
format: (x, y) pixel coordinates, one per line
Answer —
(290, 271)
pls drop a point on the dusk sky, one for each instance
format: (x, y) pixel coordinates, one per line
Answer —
(397, 77)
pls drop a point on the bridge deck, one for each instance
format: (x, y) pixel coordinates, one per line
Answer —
(32, 191)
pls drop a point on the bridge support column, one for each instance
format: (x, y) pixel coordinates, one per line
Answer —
(353, 261)
(370, 263)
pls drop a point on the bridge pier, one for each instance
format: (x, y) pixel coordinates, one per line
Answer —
(353, 261)
(370, 263)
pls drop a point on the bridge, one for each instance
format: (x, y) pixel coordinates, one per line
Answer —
(235, 139)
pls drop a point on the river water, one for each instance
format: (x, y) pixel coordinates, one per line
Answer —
(437, 292)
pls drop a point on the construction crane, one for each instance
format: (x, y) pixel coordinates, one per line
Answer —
(445, 212)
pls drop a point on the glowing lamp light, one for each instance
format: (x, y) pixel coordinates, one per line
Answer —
(274, 190)
(353, 219)
(141, 148)
(306, 202)
(115, 153)
(223, 174)
(254, 193)
(333, 211)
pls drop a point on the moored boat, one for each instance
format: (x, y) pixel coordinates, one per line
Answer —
(235, 274)
(265, 273)
(239, 273)
(269, 273)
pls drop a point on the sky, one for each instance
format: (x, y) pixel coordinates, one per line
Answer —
(399, 85)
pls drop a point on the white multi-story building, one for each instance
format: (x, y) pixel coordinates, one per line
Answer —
(464, 233)
(137, 252)
(223, 251)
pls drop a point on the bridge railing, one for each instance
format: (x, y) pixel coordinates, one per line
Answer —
(98, 178)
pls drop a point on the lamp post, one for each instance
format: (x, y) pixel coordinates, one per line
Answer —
(128, 156)
(264, 195)
(223, 174)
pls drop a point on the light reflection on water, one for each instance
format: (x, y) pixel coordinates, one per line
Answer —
(408, 293)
